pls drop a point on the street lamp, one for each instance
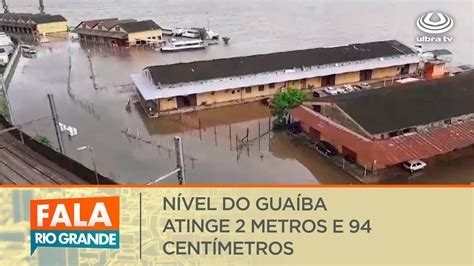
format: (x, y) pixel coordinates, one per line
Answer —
(91, 150)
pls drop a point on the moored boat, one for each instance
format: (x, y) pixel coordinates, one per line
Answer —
(176, 46)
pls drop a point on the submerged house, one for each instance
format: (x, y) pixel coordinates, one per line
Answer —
(27, 23)
(385, 127)
(183, 87)
(119, 32)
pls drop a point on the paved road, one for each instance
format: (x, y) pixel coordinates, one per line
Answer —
(21, 165)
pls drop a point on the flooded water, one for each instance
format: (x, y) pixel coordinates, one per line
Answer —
(210, 153)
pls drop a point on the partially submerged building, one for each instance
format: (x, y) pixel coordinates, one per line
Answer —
(119, 32)
(385, 127)
(184, 87)
(28, 23)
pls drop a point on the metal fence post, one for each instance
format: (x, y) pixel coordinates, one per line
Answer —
(54, 114)
(179, 160)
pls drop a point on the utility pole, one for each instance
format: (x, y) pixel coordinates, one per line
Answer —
(179, 160)
(5, 7)
(41, 7)
(54, 114)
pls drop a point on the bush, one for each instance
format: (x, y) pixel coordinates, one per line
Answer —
(43, 140)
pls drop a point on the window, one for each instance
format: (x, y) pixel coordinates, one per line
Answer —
(212, 93)
(261, 87)
(271, 85)
(233, 92)
(99, 27)
(248, 90)
(117, 28)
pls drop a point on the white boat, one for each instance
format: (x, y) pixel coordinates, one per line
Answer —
(183, 45)
(210, 35)
(196, 33)
(191, 33)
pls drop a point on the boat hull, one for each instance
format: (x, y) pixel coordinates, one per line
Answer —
(172, 49)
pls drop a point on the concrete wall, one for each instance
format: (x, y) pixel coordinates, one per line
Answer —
(380, 73)
(144, 35)
(337, 136)
(351, 77)
(53, 27)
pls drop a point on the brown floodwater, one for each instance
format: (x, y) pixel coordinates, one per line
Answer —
(210, 153)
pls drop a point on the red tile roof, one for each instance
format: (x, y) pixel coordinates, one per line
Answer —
(425, 144)
(418, 145)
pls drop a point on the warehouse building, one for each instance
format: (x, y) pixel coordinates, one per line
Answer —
(113, 31)
(385, 127)
(27, 23)
(185, 87)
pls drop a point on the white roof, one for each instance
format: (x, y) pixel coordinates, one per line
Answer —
(150, 91)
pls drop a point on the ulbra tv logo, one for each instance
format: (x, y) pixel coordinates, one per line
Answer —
(434, 23)
(75, 223)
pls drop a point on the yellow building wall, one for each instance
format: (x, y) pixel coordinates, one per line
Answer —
(413, 68)
(380, 73)
(168, 104)
(350, 77)
(53, 27)
(315, 82)
(256, 93)
(144, 35)
(219, 96)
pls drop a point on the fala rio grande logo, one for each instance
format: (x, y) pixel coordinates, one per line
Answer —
(75, 223)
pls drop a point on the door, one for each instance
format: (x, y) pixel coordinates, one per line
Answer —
(328, 80)
(405, 69)
(365, 75)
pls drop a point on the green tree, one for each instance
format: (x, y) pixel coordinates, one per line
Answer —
(284, 101)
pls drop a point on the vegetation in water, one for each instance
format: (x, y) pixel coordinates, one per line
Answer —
(4, 108)
(284, 101)
(43, 140)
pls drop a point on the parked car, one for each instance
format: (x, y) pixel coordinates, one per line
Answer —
(4, 58)
(326, 148)
(28, 49)
(414, 165)
(332, 91)
(365, 85)
(347, 89)
(357, 87)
